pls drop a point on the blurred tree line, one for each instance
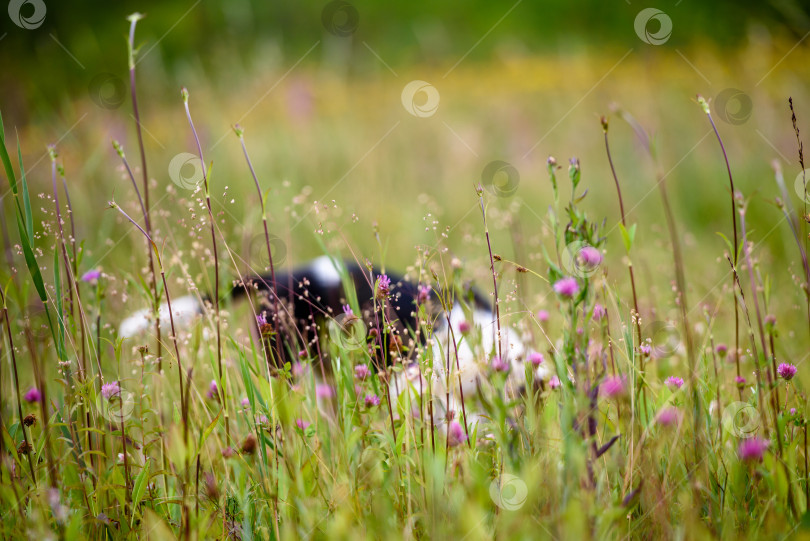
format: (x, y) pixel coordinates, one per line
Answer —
(80, 39)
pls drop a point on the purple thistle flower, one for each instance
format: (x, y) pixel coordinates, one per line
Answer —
(455, 434)
(674, 382)
(721, 349)
(110, 389)
(213, 390)
(245, 402)
(554, 382)
(542, 316)
(786, 371)
(668, 416)
(612, 386)
(372, 400)
(302, 424)
(598, 312)
(324, 391)
(423, 295)
(751, 450)
(383, 286)
(536, 358)
(740, 381)
(590, 256)
(33, 395)
(299, 369)
(91, 276)
(793, 411)
(566, 287)
(261, 319)
(645, 349)
(348, 310)
(361, 371)
(464, 327)
(499, 365)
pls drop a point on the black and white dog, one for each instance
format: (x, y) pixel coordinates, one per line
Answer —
(400, 323)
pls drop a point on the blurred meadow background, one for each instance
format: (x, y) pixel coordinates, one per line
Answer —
(359, 165)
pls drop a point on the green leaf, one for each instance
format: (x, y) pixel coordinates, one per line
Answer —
(57, 278)
(6, 160)
(139, 488)
(29, 219)
(628, 236)
(30, 260)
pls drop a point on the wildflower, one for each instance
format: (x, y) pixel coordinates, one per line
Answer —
(361, 371)
(542, 316)
(455, 434)
(668, 416)
(245, 402)
(423, 295)
(590, 256)
(598, 312)
(786, 371)
(227, 452)
(120, 457)
(499, 365)
(566, 287)
(302, 424)
(299, 369)
(770, 322)
(110, 389)
(91, 276)
(752, 449)
(347, 310)
(740, 381)
(372, 400)
(645, 349)
(612, 386)
(322, 390)
(383, 286)
(213, 390)
(674, 382)
(464, 327)
(262, 420)
(554, 382)
(249, 445)
(30, 419)
(265, 328)
(793, 411)
(536, 358)
(721, 349)
(33, 395)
